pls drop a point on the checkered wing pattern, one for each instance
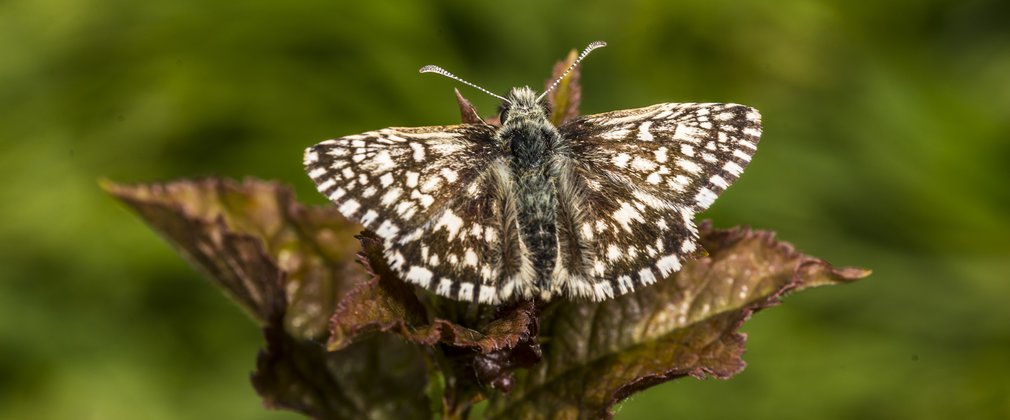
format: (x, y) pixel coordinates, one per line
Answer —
(636, 178)
(431, 193)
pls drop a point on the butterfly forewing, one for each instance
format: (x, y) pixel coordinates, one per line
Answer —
(685, 152)
(429, 193)
(640, 176)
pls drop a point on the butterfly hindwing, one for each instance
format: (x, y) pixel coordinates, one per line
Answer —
(639, 176)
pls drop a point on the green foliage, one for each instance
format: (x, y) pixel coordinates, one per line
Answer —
(885, 145)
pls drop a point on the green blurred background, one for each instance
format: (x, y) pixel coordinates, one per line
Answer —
(886, 145)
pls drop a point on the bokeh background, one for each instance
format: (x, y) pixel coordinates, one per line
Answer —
(886, 145)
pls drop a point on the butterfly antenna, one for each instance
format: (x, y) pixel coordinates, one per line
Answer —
(438, 70)
(592, 46)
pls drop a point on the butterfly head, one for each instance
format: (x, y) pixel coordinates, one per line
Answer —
(523, 104)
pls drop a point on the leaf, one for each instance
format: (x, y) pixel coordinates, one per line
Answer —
(596, 354)
(254, 241)
(467, 112)
(378, 377)
(564, 100)
(214, 224)
(478, 346)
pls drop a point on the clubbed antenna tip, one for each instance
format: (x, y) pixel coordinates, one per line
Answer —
(438, 70)
(592, 46)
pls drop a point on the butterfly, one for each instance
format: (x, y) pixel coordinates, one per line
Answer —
(596, 207)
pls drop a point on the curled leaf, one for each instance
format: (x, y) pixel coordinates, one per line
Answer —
(601, 352)
(263, 248)
(200, 229)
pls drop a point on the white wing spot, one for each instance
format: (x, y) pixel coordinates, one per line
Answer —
(317, 172)
(337, 194)
(349, 207)
(603, 290)
(668, 264)
(486, 294)
(705, 198)
(661, 154)
(642, 165)
(733, 168)
(646, 276)
(425, 199)
(403, 208)
(311, 156)
(741, 155)
(412, 179)
(419, 275)
(624, 284)
(643, 131)
(325, 185)
(451, 222)
(613, 252)
(687, 150)
(390, 196)
(369, 217)
(685, 133)
(470, 258)
(626, 214)
(386, 179)
(449, 175)
(383, 162)
(689, 166)
(444, 287)
(387, 230)
(621, 160)
(418, 152)
(719, 182)
(661, 224)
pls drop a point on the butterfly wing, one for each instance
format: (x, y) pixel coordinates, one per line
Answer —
(430, 193)
(635, 179)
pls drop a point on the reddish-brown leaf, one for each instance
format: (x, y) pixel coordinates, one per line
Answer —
(598, 353)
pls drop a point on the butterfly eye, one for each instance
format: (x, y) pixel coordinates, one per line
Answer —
(503, 115)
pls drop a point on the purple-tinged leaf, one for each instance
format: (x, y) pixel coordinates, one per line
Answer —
(564, 100)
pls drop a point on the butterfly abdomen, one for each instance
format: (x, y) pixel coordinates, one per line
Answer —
(532, 143)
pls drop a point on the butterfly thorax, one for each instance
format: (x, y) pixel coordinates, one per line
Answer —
(533, 142)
